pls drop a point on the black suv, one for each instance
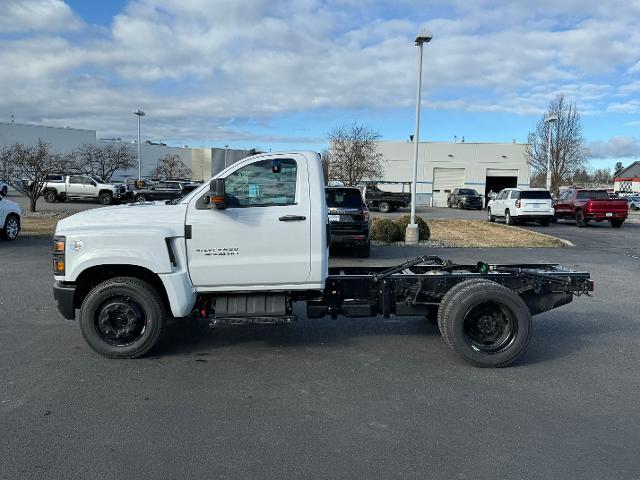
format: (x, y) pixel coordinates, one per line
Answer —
(348, 218)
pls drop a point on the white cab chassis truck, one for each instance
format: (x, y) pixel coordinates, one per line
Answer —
(247, 245)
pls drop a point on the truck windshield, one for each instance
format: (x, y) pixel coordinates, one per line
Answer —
(592, 195)
(467, 191)
(343, 198)
(535, 195)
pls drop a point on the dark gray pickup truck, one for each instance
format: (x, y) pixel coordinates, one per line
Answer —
(464, 198)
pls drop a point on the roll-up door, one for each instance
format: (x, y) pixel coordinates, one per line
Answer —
(444, 181)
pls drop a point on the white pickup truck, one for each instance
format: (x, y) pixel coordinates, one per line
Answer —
(246, 246)
(81, 187)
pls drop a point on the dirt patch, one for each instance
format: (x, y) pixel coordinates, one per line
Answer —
(477, 233)
(40, 224)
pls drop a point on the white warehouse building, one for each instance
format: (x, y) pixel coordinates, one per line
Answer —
(445, 166)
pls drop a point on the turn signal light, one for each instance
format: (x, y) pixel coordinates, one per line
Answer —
(58, 246)
(58, 265)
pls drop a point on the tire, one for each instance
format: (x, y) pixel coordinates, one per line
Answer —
(487, 324)
(490, 218)
(140, 199)
(384, 207)
(554, 219)
(4, 191)
(11, 228)
(580, 220)
(130, 300)
(616, 223)
(449, 204)
(364, 250)
(635, 208)
(50, 196)
(106, 198)
(544, 222)
(508, 219)
(459, 206)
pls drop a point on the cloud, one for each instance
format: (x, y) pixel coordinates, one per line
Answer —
(615, 147)
(38, 15)
(199, 64)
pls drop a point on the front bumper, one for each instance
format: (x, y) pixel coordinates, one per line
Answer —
(64, 293)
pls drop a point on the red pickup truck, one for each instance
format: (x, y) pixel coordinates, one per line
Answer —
(586, 205)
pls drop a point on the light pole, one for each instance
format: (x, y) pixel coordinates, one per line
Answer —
(550, 119)
(226, 149)
(411, 235)
(139, 113)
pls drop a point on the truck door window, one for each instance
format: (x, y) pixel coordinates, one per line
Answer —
(75, 179)
(258, 185)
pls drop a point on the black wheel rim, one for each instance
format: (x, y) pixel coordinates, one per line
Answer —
(490, 327)
(120, 321)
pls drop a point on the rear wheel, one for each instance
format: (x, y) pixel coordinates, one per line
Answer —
(122, 317)
(544, 222)
(140, 198)
(580, 220)
(364, 251)
(487, 324)
(449, 203)
(616, 223)
(508, 219)
(4, 191)
(50, 196)
(384, 207)
(11, 228)
(490, 218)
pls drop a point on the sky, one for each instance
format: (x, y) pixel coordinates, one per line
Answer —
(280, 75)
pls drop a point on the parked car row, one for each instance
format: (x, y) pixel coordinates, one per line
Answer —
(517, 205)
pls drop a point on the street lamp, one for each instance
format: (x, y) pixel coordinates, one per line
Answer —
(550, 119)
(411, 235)
(226, 149)
(139, 113)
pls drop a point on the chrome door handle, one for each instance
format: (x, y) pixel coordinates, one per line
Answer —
(292, 218)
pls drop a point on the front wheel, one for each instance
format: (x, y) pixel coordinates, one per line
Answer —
(140, 199)
(490, 218)
(487, 324)
(384, 207)
(4, 191)
(449, 204)
(106, 198)
(122, 317)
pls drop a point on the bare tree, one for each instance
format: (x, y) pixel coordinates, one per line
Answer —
(171, 167)
(324, 161)
(103, 160)
(568, 151)
(353, 155)
(26, 168)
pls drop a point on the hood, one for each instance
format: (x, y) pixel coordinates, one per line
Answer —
(9, 206)
(169, 219)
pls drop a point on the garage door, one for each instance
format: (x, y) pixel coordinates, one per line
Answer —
(444, 181)
(502, 172)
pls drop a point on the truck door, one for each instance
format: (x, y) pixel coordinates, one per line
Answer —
(263, 238)
(75, 186)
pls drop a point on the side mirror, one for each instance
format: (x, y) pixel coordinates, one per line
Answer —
(216, 198)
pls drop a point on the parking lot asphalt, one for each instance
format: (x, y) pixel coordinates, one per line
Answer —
(346, 398)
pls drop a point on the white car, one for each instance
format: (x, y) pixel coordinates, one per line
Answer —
(9, 219)
(4, 189)
(634, 202)
(522, 205)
